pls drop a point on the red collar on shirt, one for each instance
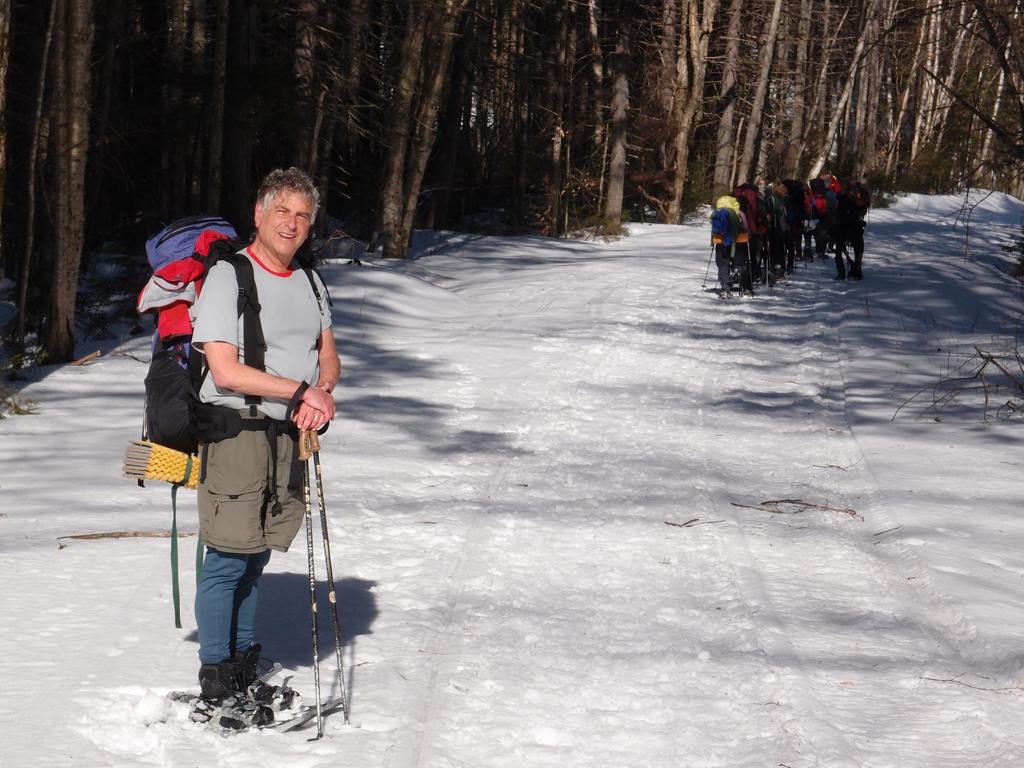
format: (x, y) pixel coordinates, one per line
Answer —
(265, 267)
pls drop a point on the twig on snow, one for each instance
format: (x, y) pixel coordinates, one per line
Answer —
(693, 522)
(772, 505)
(87, 359)
(837, 466)
(957, 681)
(125, 535)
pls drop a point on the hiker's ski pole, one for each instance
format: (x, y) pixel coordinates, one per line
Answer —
(708, 270)
(312, 599)
(331, 595)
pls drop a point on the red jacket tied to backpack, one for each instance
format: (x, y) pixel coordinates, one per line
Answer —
(754, 208)
(174, 287)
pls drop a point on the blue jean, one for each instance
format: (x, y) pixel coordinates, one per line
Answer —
(226, 598)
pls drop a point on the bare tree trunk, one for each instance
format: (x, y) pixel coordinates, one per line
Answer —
(524, 102)
(450, 123)
(197, 138)
(597, 67)
(926, 100)
(723, 181)
(822, 86)
(400, 129)
(237, 180)
(215, 112)
(764, 67)
(424, 131)
(556, 103)
(844, 97)
(797, 137)
(5, 59)
(357, 24)
(944, 100)
(986, 147)
(893, 151)
(620, 117)
(667, 54)
(869, 102)
(173, 150)
(73, 37)
(691, 67)
(33, 159)
(302, 72)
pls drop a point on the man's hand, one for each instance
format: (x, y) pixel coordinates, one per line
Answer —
(320, 400)
(308, 417)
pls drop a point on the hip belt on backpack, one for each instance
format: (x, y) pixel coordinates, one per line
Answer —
(214, 423)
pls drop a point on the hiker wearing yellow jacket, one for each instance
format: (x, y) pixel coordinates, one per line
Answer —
(732, 245)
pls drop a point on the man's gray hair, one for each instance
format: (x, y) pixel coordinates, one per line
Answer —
(290, 180)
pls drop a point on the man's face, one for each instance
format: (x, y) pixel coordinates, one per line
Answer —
(283, 225)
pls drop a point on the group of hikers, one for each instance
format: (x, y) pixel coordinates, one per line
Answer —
(761, 230)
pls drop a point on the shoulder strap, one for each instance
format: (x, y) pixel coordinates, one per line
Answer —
(310, 271)
(248, 306)
(249, 310)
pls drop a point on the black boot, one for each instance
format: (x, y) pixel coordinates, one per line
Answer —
(277, 696)
(248, 665)
(218, 681)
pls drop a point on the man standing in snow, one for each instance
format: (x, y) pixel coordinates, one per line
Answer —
(250, 499)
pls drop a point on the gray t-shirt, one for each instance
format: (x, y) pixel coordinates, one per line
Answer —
(292, 321)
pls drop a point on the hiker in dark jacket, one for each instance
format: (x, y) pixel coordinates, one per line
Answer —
(777, 232)
(250, 499)
(797, 203)
(853, 205)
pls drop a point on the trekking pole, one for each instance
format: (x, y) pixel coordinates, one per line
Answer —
(708, 270)
(312, 596)
(314, 447)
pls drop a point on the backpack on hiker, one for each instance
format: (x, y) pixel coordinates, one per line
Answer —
(728, 224)
(754, 208)
(777, 207)
(798, 202)
(823, 199)
(180, 255)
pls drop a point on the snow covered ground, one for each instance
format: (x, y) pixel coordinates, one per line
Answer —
(545, 488)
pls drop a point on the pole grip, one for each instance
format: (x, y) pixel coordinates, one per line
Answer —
(309, 443)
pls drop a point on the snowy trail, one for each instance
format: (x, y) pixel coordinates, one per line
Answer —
(545, 491)
(602, 397)
(826, 665)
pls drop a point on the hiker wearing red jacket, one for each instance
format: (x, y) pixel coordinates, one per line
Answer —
(824, 202)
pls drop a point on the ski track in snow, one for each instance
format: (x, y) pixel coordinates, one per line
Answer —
(533, 493)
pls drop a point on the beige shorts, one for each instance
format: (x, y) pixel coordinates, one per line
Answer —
(233, 493)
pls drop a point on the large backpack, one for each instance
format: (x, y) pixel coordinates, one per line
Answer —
(754, 208)
(728, 222)
(798, 201)
(183, 254)
(722, 227)
(823, 199)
